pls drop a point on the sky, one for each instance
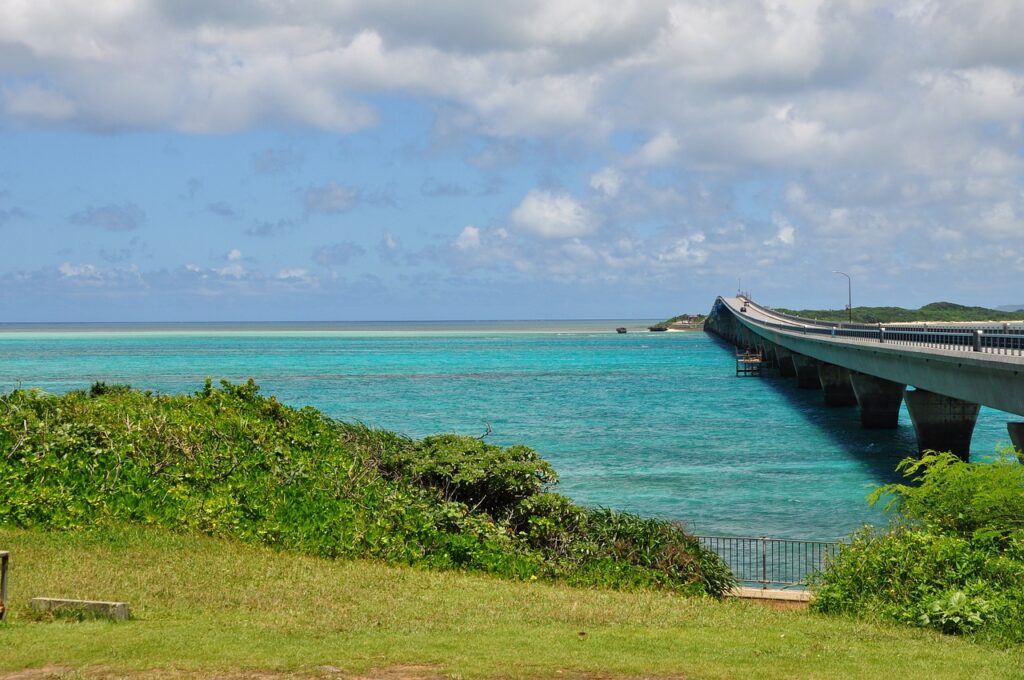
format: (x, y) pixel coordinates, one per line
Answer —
(202, 160)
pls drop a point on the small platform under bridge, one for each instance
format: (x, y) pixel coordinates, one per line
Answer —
(749, 363)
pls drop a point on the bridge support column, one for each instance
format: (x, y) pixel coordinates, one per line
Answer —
(806, 372)
(942, 423)
(785, 360)
(835, 384)
(1017, 437)
(879, 401)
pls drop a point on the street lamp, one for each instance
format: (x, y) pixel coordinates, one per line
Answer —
(849, 293)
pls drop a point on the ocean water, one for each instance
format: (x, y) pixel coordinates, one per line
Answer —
(655, 423)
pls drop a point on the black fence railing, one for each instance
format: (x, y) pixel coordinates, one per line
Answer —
(772, 561)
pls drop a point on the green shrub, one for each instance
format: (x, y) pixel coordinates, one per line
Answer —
(227, 461)
(952, 559)
(950, 496)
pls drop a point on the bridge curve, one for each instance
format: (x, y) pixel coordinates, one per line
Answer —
(953, 367)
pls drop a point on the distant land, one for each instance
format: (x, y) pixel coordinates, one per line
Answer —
(1012, 308)
(935, 311)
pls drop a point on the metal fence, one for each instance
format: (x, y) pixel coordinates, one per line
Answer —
(771, 561)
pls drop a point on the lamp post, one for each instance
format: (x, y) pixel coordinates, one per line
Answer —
(849, 293)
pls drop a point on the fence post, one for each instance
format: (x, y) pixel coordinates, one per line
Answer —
(4, 559)
(764, 560)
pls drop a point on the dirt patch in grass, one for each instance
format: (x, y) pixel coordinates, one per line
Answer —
(44, 673)
(401, 672)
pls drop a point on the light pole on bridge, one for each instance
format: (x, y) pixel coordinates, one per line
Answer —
(849, 294)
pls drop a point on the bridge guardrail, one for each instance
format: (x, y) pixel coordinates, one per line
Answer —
(989, 338)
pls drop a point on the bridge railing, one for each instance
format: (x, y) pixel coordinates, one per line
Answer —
(991, 338)
(772, 561)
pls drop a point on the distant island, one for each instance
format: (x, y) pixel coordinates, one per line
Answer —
(683, 322)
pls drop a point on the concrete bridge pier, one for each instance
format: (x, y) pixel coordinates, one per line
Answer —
(806, 372)
(1016, 431)
(879, 401)
(835, 384)
(942, 423)
(785, 360)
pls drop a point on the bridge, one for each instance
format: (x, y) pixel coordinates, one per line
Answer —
(944, 371)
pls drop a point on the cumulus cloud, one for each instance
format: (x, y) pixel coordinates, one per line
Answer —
(295, 274)
(552, 215)
(873, 128)
(607, 181)
(468, 239)
(660, 149)
(35, 103)
(111, 217)
(785, 234)
(72, 271)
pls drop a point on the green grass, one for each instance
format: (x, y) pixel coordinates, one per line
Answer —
(936, 311)
(207, 607)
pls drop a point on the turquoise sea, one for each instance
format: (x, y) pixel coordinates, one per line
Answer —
(655, 423)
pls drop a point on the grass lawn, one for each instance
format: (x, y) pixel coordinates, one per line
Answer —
(210, 608)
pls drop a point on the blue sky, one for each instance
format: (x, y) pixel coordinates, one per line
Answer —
(352, 160)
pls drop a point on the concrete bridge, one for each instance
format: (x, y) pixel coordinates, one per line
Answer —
(953, 368)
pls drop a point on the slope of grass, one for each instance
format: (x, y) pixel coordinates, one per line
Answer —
(208, 607)
(935, 311)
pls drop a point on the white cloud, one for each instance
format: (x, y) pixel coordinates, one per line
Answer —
(684, 251)
(295, 274)
(35, 103)
(898, 144)
(608, 181)
(234, 255)
(552, 215)
(785, 234)
(74, 271)
(660, 149)
(468, 239)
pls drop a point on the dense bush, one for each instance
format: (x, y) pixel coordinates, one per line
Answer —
(228, 461)
(953, 558)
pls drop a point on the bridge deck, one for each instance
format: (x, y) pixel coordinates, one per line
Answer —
(942, 361)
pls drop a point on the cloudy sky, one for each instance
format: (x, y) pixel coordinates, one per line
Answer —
(203, 159)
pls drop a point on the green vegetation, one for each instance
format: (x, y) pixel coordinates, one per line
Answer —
(228, 462)
(207, 607)
(936, 311)
(682, 318)
(953, 559)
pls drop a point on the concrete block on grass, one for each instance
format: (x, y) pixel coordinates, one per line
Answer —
(118, 611)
